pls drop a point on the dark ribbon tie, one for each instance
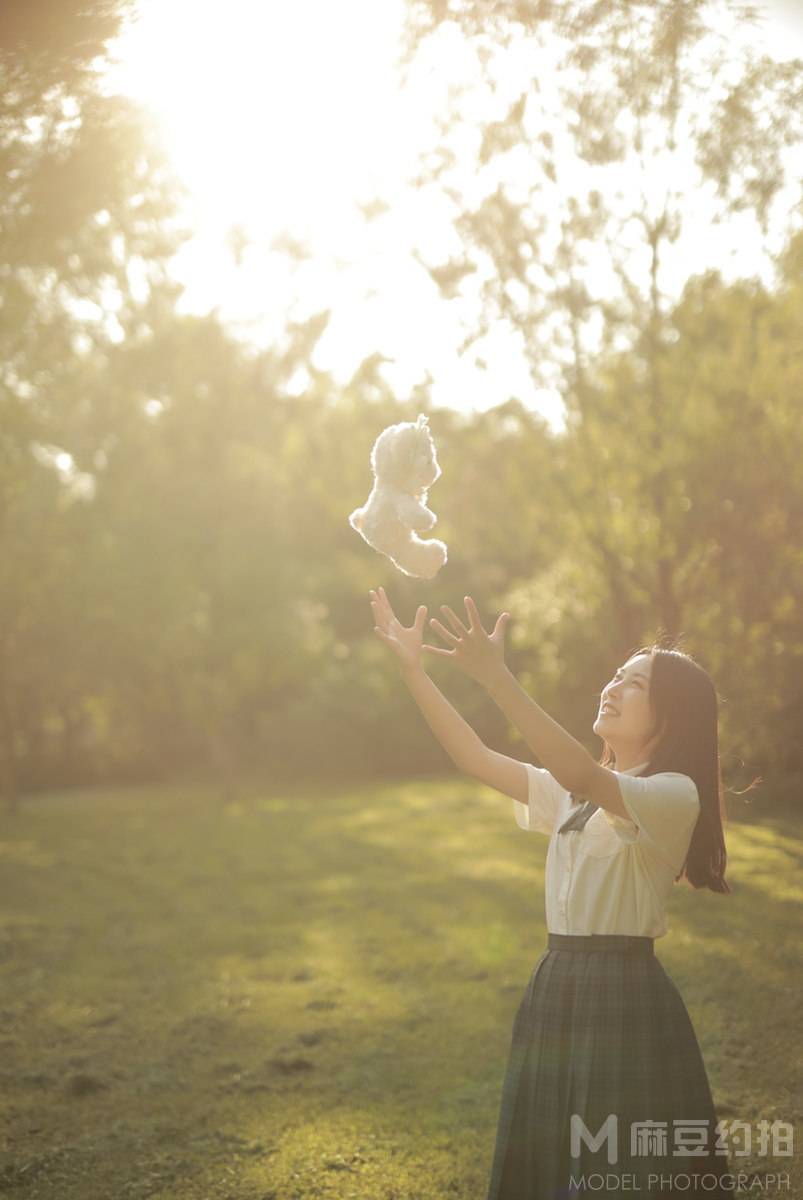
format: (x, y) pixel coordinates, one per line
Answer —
(580, 816)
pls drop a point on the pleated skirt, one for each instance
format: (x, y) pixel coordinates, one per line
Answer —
(602, 1032)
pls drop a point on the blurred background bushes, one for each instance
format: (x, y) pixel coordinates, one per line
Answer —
(181, 592)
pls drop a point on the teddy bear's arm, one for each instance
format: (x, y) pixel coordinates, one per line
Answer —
(415, 515)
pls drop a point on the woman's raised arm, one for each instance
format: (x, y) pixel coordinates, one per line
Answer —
(463, 745)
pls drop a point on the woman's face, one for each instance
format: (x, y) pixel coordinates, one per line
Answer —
(625, 718)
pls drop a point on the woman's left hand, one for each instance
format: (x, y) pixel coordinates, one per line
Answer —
(481, 655)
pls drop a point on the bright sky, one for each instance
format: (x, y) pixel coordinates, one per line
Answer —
(289, 116)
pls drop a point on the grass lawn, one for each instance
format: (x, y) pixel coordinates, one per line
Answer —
(311, 993)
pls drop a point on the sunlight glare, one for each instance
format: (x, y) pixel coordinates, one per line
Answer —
(267, 109)
(287, 117)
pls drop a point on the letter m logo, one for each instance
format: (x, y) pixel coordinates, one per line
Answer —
(608, 1130)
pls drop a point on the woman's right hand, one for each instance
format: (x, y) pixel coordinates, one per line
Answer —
(403, 641)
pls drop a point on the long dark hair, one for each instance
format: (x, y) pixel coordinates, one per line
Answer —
(684, 702)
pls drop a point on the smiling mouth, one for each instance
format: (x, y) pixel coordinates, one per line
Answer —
(608, 712)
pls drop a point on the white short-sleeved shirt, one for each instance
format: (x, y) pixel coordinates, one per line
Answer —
(615, 875)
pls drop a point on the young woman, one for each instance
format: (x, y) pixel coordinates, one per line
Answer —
(605, 1089)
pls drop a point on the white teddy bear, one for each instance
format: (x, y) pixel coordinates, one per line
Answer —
(405, 465)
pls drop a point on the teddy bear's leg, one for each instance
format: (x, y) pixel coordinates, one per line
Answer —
(422, 559)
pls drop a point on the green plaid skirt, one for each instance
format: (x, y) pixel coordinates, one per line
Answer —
(602, 1032)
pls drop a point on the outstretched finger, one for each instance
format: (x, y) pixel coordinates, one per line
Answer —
(443, 631)
(385, 603)
(378, 611)
(437, 650)
(474, 620)
(501, 625)
(378, 599)
(457, 624)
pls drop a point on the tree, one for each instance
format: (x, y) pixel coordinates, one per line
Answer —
(85, 233)
(658, 89)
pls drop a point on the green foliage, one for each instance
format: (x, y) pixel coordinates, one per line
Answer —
(186, 595)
